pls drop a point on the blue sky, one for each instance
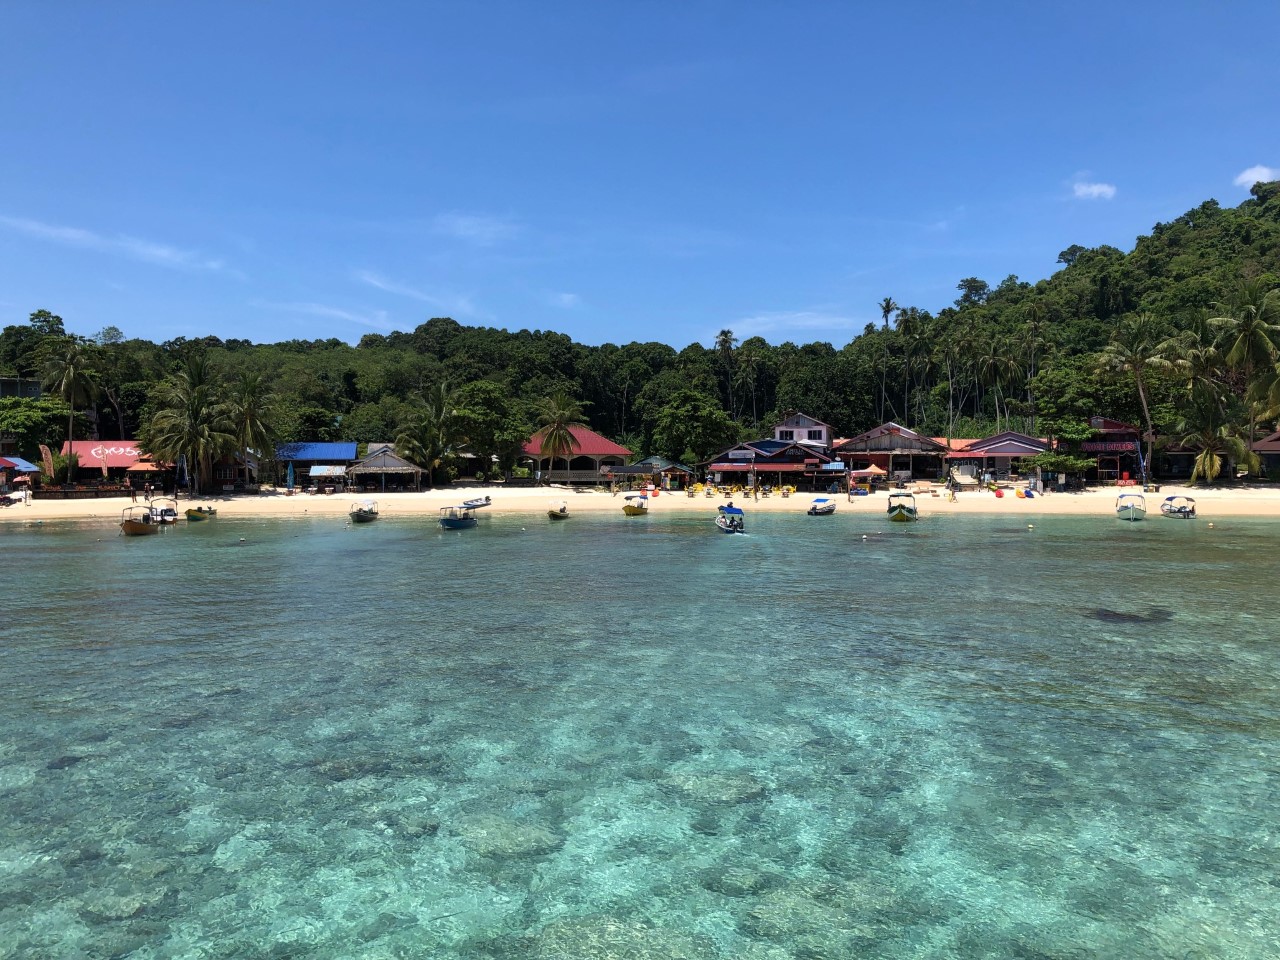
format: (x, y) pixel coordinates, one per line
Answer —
(616, 172)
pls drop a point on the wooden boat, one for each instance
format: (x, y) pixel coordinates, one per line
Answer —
(637, 505)
(196, 514)
(458, 518)
(822, 507)
(1179, 508)
(364, 511)
(559, 510)
(164, 510)
(1131, 506)
(731, 519)
(902, 507)
(138, 522)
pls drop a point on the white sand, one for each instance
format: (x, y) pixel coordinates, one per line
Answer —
(534, 501)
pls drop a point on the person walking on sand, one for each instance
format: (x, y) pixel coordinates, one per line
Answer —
(133, 493)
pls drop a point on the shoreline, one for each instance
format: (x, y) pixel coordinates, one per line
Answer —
(1260, 502)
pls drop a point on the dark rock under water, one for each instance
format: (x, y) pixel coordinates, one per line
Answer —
(1154, 615)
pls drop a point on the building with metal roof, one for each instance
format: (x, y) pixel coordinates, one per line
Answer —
(591, 454)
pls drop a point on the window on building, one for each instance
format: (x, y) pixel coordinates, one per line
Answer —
(815, 434)
(786, 434)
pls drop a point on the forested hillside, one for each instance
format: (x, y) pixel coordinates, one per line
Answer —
(1185, 325)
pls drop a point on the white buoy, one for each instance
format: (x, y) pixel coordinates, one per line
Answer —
(1031, 526)
(1211, 526)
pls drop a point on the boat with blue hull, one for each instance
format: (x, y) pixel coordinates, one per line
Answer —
(460, 517)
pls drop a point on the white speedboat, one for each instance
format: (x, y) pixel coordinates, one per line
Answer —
(1131, 506)
(731, 519)
(822, 507)
(1179, 508)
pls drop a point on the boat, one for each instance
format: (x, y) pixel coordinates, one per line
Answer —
(902, 507)
(1179, 508)
(1131, 506)
(559, 510)
(477, 503)
(637, 505)
(196, 514)
(364, 511)
(138, 522)
(730, 519)
(822, 507)
(460, 517)
(164, 510)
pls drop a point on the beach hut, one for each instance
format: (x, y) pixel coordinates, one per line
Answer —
(901, 453)
(772, 462)
(591, 453)
(1118, 449)
(996, 455)
(325, 464)
(381, 462)
(1268, 451)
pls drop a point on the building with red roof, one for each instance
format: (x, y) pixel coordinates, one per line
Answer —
(592, 454)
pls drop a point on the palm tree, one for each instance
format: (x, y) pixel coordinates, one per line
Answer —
(69, 376)
(193, 420)
(557, 415)
(887, 306)
(995, 368)
(1204, 429)
(1134, 345)
(1251, 326)
(1192, 355)
(251, 407)
(428, 436)
(725, 342)
(749, 363)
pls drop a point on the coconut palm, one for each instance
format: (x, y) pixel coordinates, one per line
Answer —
(725, 342)
(557, 415)
(192, 420)
(1250, 324)
(70, 377)
(251, 408)
(428, 436)
(1204, 429)
(1134, 345)
(887, 306)
(995, 369)
(1192, 355)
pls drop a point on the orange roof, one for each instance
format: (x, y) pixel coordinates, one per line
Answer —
(957, 443)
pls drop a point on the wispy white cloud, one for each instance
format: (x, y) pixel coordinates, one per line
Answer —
(454, 304)
(374, 318)
(1084, 190)
(785, 324)
(566, 300)
(148, 251)
(1258, 174)
(477, 229)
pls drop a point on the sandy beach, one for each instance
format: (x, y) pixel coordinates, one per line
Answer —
(1236, 501)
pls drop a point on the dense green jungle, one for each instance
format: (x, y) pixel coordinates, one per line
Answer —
(1180, 335)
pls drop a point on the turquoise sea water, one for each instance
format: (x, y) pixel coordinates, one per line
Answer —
(642, 739)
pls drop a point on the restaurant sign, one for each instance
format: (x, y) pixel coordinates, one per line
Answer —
(1108, 446)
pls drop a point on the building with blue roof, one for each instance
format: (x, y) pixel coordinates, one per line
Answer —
(322, 464)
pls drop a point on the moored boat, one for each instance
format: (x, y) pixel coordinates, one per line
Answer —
(637, 505)
(559, 510)
(138, 522)
(196, 514)
(731, 519)
(364, 511)
(164, 510)
(457, 518)
(822, 507)
(477, 503)
(1131, 506)
(902, 507)
(1179, 508)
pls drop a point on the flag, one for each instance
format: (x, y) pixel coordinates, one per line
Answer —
(46, 461)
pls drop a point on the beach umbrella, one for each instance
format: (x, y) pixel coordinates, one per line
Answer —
(288, 480)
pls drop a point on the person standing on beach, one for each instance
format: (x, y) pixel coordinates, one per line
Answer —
(133, 493)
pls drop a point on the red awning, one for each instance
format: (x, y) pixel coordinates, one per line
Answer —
(98, 453)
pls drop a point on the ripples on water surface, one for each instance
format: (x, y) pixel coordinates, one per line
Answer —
(641, 739)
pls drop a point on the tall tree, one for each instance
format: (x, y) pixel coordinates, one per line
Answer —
(192, 420)
(1134, 346)
(251, 409)
(557, 415)
(725, 342)
(1251, 327)
(887, 306)
(70, 376)
(427, 438)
